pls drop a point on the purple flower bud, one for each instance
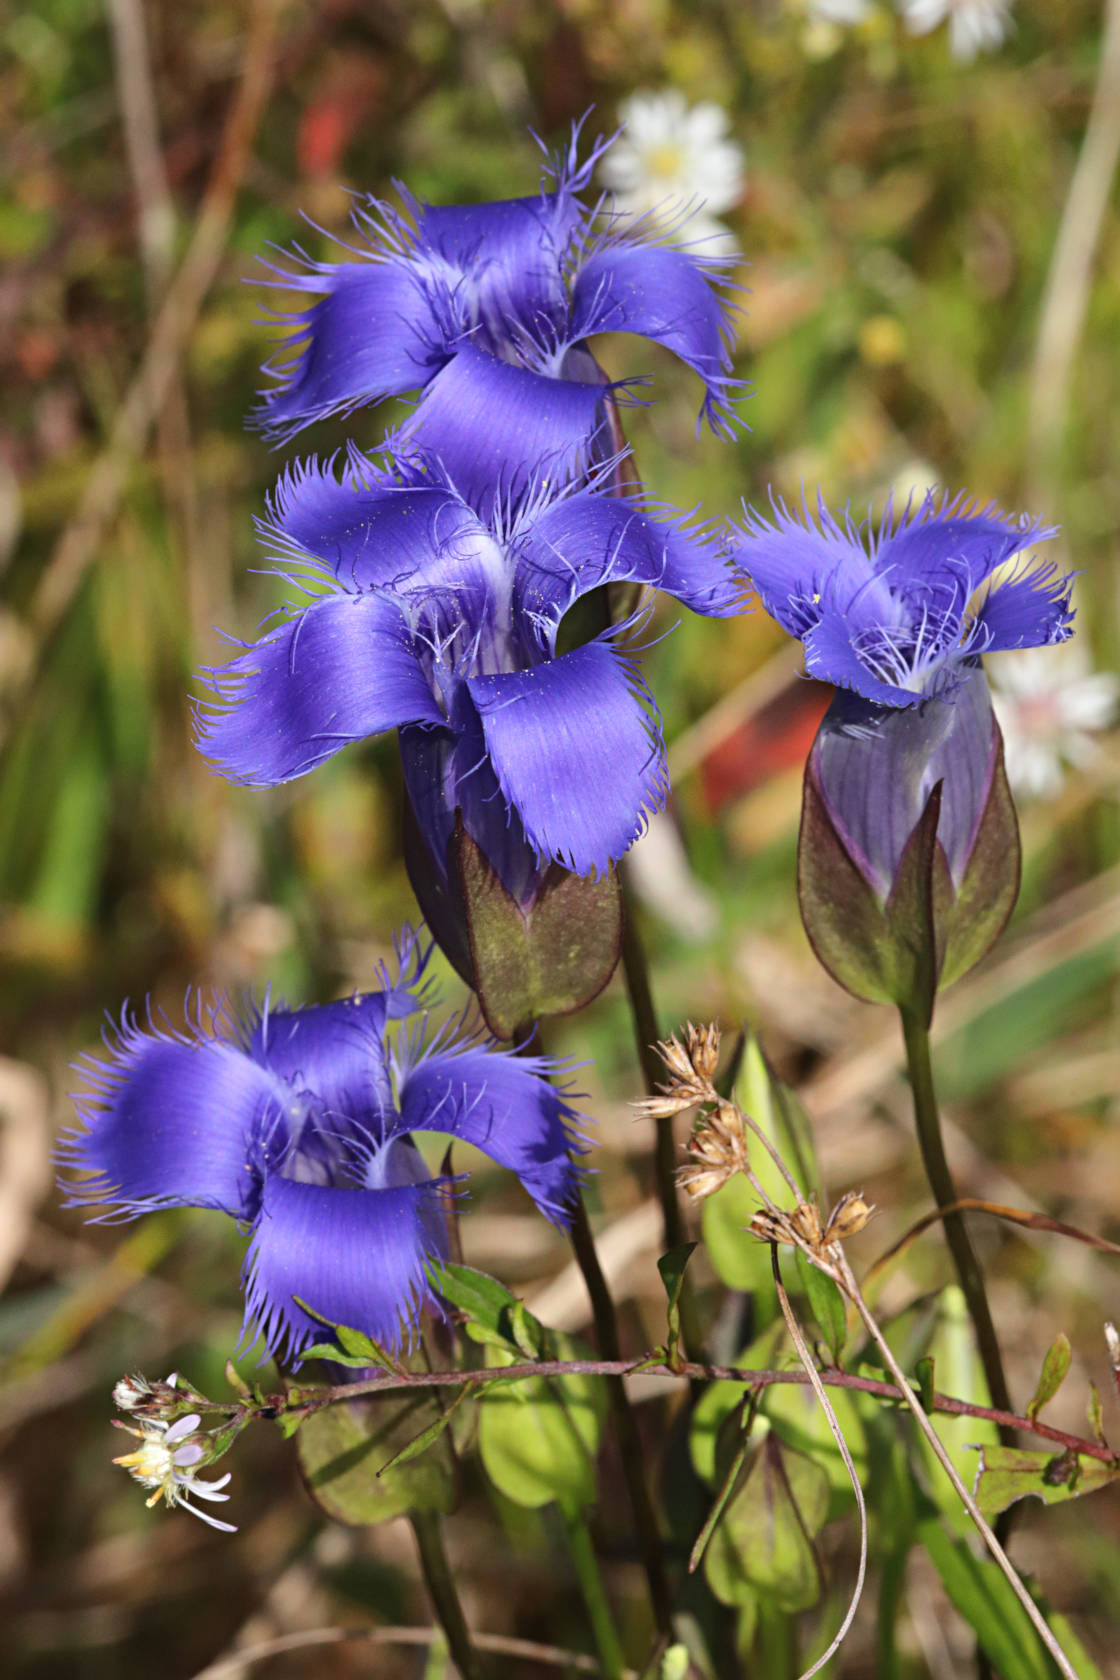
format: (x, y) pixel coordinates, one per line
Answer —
(908, 859)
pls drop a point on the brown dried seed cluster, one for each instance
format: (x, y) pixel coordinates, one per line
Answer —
(718, 1150)
(691, 1067)
(803, 1226)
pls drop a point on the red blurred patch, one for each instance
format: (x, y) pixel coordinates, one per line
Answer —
(764, 744)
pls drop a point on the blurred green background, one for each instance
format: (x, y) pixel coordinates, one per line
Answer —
(899, 222)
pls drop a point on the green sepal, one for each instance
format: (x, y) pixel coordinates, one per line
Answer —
(986, 897)
(843, 918)
(765, 1541)
(545, 958)
(347, 1452)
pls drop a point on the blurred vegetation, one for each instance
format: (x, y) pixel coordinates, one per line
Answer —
(899, 222)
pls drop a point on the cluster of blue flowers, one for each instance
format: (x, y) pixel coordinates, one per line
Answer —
(434, 580)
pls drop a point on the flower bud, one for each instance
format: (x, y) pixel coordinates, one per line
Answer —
(908, 858)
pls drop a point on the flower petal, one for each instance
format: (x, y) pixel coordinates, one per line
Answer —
(534, 426)
(950, 545)
(379, 330)
(830, 657)
(383, 532)
(668, 296)
(334, 1051)
(508, 257)
(587, 539)
(173, 1122)
(505, 1106)
(340, 670)
(578, 753)
(357, 1257)
(1029, 610)
(804, 568)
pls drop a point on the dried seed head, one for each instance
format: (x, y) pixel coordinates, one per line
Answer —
(805, 1223)
(1113, 1340)
(771, 1227)
(718, 1150)
(850, 1215)
(703, 1049)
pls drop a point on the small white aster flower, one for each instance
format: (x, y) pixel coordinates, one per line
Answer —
(975, 26)
(673, 155)
(838, 11)
(165, 1460)
(1050, 703)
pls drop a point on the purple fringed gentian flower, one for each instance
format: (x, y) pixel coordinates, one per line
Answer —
(433, 620)
(901, 614)
(299, 1123)
(908, 860)
(485, 309)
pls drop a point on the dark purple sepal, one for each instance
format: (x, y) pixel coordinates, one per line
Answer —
(436, 893)
(547, 956)
(990, 885)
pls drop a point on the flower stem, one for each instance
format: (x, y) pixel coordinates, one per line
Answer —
(623, 1420)
(607, 1642)
(646, 1032)
(443, 1593)
(915, 1033)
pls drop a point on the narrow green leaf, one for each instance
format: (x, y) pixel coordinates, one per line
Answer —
(924, 1372)
(672, 1268)
(331, 1351)
(719, 1506)
(289, 1423)
(1095, 1414)
(1010, 1473)
(420, 1443)
(236, 1381)
(1054, 1371)
(495, 1316)
(983, 1596)
(827, 1303)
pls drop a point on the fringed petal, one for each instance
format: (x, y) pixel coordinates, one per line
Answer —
(576, 745)
(339, 671)
(533, 427)
(357, 1257)
(1030, 609)
(586, 539)
(174, 1121)
(380, 329)
(950, 546)
(666, 295)
(334, 1051)
(504, 1105)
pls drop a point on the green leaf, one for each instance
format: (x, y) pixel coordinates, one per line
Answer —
(495, 1315)
(352, 1348)
(983, 1596)
(765, 1541)
(546, 958)
(420, 1443)
(346, 1454)
(538, 1436)
(1095, 1415)
(827, 1303)
(1055, 1368)
(721, 1399)
(959, 1371)
(797, 1418)
(672, 1268)
(1010, 1473)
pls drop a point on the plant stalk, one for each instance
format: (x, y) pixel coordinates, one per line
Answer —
(603, 1630)
(646, 1034)
(443, 1593)
(915, 1034)
(623, 1420)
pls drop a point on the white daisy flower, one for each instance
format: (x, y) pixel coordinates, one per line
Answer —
(165, 1461)
(672, 155)
(838, 11)
(975, 26)
(1050, 703)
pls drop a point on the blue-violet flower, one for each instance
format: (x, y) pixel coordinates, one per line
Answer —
(443, 624)
(485, 309)
(299, 1122)
(901, 614)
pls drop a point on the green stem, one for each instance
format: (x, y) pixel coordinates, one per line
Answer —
(891, 1585)
(443, 1593)
(607, 1642)
(915, 1033)
(623, 1420)
(646, 1033)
